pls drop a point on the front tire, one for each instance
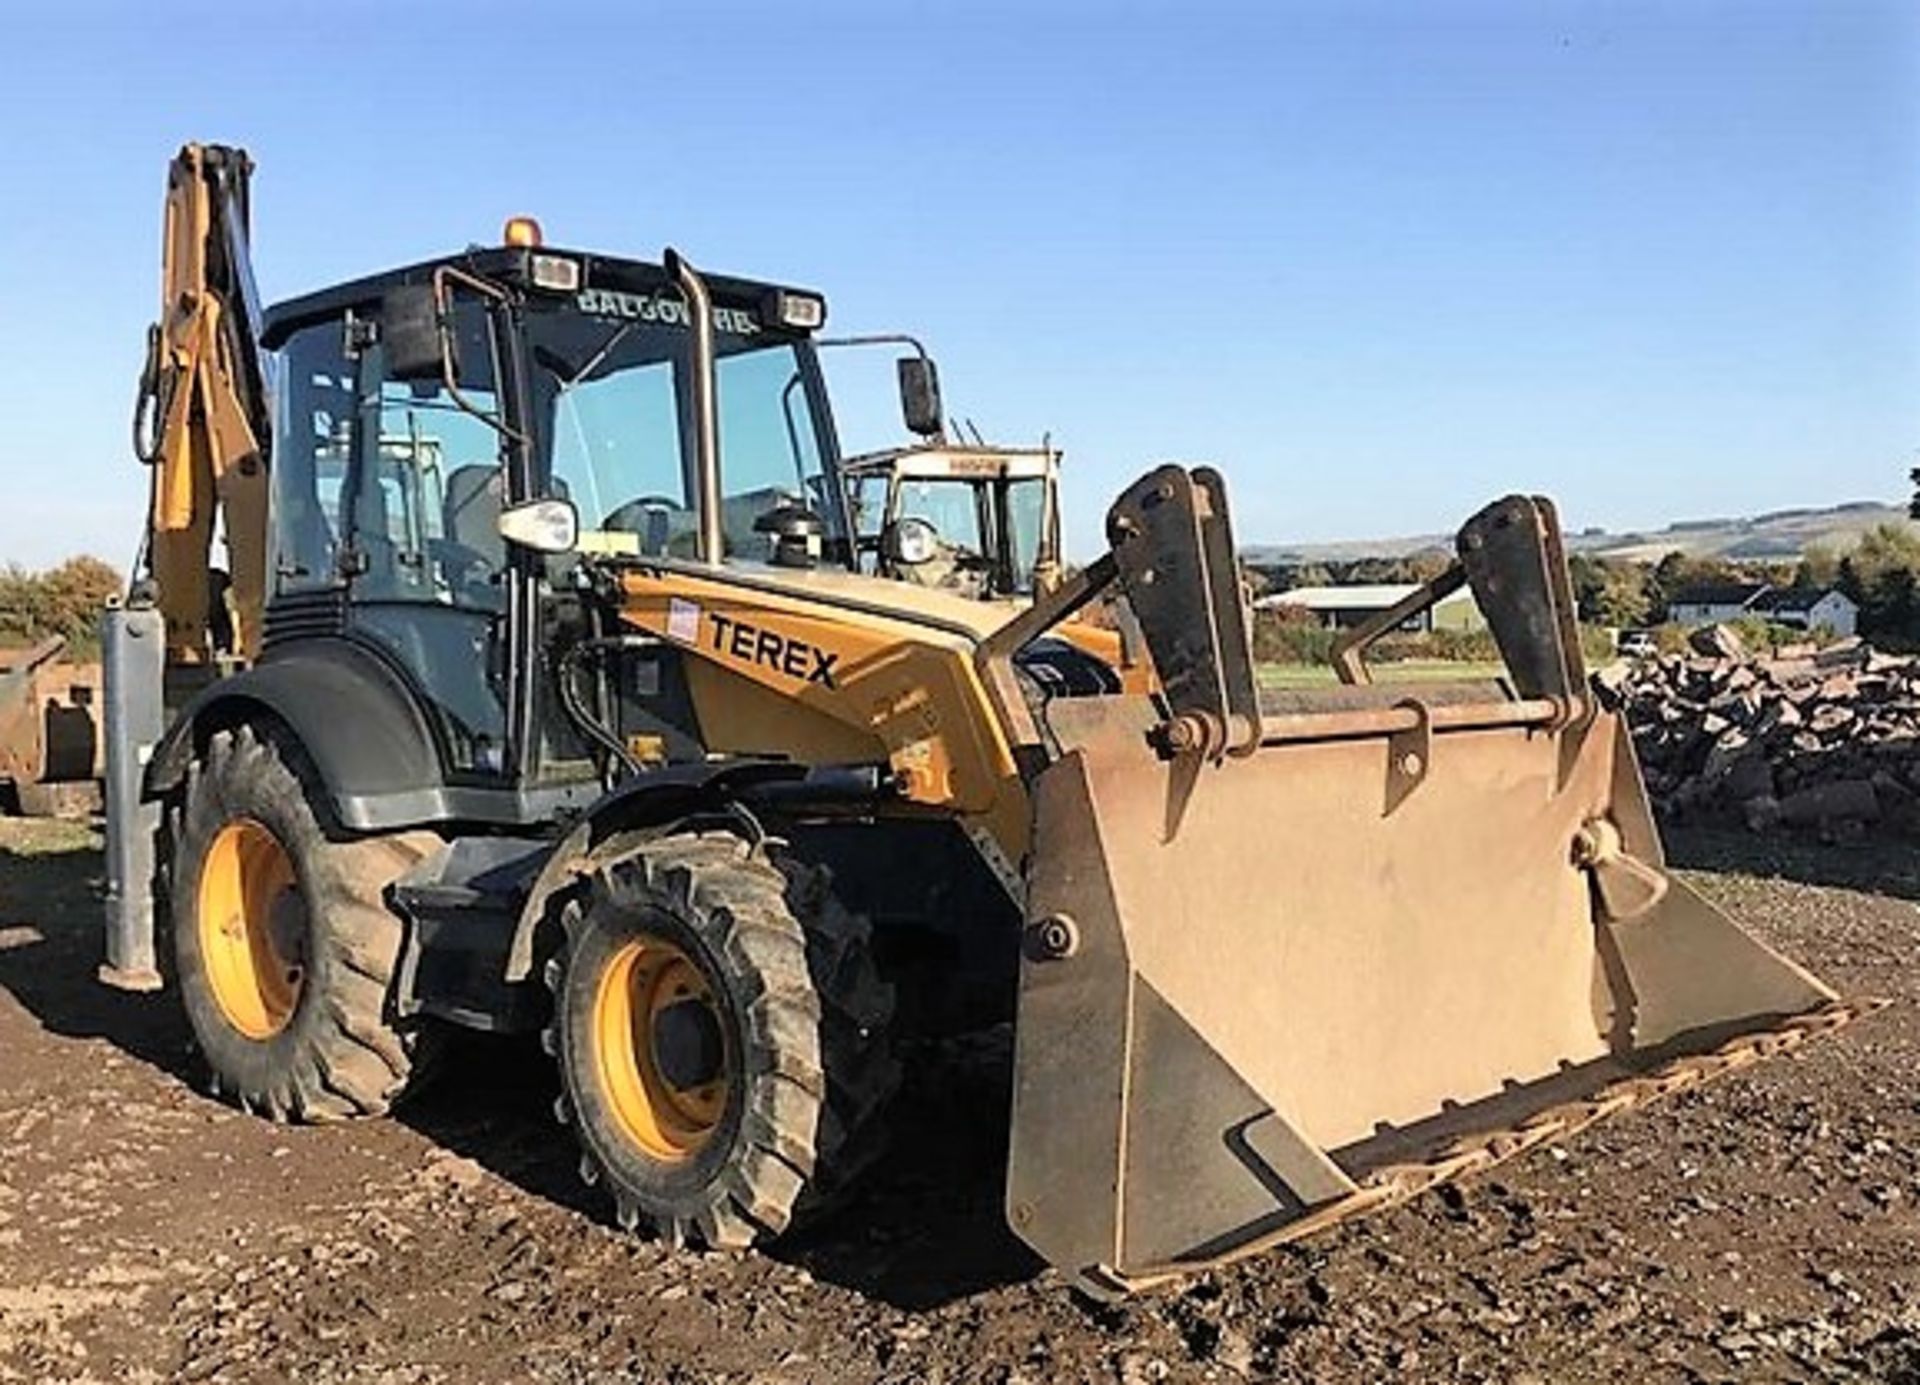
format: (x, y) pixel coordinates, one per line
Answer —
(722, 1039)
(284, 946)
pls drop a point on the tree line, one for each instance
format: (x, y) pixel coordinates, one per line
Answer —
(62, 600)
(1880, 574)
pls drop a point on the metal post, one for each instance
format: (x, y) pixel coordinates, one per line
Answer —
(706, 419)
(134, 642)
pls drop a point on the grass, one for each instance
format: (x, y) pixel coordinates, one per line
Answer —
(1402, 671)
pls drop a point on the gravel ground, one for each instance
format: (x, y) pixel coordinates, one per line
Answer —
(1762, 1228)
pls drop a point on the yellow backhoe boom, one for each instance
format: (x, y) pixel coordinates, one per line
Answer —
(200, 418)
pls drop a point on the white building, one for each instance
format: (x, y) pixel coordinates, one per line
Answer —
(1804, 609)
(1811, 610)
(1342, 608)
(1710, 602)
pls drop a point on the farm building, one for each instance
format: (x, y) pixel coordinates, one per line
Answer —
(1342, 608)
(1707, 602)
(1808, 609)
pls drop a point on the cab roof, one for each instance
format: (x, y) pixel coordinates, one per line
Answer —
(510, 265)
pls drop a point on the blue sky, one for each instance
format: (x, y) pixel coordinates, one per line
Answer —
(1379, 262)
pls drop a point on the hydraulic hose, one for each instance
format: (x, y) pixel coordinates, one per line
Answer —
(566, 670)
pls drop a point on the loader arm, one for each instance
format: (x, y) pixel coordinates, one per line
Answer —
(200, 417)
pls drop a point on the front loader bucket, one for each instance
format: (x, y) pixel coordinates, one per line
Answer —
(1324, 992)
(1295, 962)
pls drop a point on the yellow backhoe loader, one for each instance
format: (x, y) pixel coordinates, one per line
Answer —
(594, 729)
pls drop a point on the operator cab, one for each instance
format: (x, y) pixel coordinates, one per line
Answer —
(452, 437)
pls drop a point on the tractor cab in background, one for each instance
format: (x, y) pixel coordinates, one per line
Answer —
(983, 521)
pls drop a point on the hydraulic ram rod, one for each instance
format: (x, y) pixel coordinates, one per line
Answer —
(1291, 727)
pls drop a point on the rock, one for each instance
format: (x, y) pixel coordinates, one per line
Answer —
(1841, 653)
(445, 1167)
(1781, 715)
(1612, 683)
(1784, 669)
(1828, 742)
(1831, 718)
(1717, 642)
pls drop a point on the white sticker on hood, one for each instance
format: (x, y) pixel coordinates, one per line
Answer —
(683, 621)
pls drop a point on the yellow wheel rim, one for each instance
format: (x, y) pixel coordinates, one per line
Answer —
(252, 928)
(671, 1121)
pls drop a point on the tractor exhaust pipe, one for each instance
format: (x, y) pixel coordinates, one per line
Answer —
(706, 420)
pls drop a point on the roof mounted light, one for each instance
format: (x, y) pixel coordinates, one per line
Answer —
(521, 231)
(803, 312)
(555, 272)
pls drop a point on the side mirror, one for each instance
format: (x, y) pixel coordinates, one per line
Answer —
(545, 526)
(920, 396)
(410, 330)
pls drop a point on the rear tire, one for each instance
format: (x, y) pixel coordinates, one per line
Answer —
(284, 947)
(722, 1038)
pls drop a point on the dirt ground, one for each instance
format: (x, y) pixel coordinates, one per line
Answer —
(1764, 1227)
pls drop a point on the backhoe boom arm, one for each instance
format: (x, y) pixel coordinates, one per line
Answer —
(200, 420)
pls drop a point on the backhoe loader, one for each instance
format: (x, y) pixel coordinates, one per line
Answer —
(614, 743)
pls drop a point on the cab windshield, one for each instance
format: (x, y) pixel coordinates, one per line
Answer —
(613, 429)
(988, 530)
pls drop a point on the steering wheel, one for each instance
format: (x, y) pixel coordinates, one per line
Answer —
(649, 516)
(630, 515)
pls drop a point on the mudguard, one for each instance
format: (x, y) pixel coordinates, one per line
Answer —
(715, 789)
(375, 754)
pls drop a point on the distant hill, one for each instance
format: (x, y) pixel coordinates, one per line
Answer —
(1777, 536)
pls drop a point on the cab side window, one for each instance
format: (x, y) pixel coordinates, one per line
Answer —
(428, 505)
(313, 439)
(770, 453)
(429, 489)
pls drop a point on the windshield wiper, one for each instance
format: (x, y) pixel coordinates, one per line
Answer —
(553, 362)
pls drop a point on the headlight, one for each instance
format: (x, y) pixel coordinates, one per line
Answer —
(555, 272)
(545, 526)
(915, 541)
(803, 312)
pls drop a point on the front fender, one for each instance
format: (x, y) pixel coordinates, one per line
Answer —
(673, 794)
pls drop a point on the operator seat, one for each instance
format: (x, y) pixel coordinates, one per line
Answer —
(472, 512)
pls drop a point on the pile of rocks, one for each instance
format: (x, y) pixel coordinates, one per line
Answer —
(1826, 739)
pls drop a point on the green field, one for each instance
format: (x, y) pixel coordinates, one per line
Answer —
(1402, 671)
